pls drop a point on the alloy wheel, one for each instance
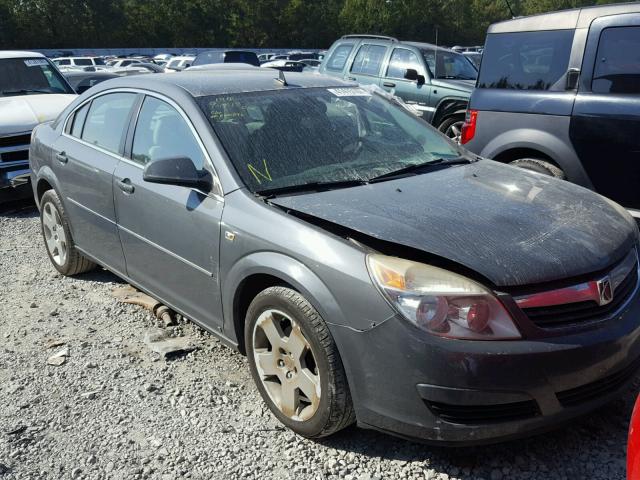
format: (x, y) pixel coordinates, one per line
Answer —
(286, 365)
(54, 235)
(454, 131)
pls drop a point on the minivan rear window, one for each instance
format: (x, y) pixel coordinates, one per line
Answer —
(526, 60)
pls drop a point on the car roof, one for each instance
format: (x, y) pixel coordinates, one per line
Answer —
(563, 19)
(206, 82)
(430, 46)
(19, 54)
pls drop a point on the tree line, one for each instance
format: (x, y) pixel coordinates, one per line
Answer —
(252, 23)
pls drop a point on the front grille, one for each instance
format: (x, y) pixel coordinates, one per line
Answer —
(598, 388)
(481, 414)
(583, 312)
(15, 148)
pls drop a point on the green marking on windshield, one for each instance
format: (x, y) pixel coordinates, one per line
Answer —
(257, 173)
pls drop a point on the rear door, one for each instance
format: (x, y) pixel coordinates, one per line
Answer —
(86, 155)
(170, 234)
(411, 91)
(605, 125)
(367, 64)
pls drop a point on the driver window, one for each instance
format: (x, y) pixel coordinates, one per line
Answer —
(161, 132)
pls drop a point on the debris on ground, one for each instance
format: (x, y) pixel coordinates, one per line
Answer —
(58, 358)
(159, 341)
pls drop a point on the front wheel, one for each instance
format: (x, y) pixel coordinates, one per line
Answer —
(56, 233)
(452, 128)
(295, 364)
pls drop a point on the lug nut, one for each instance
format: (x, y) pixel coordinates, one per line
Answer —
(289, 375)
(280, 363)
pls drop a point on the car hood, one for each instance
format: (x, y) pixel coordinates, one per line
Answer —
(511, 226)
(20, 114)
(462, 85)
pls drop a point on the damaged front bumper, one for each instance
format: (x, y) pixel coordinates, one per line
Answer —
(415, 385)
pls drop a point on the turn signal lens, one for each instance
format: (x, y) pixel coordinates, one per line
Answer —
(441, 302)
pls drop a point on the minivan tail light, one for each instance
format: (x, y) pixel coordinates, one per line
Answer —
(469, 126)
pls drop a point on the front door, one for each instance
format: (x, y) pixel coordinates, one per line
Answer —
(605, 124)
(86, 156)
(170, 234)
(414, 93)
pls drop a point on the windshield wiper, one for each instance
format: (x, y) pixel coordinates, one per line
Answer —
(417, 166)
(310, 187)
(23, 91)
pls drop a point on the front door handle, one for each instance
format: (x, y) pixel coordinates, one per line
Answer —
(353, 79)
(62, 157)
(125, 185)
(388, 84)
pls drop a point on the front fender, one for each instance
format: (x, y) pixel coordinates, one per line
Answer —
(290, 270)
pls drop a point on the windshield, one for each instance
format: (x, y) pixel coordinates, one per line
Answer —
(294, 137)
(449, 65)
(24, 76)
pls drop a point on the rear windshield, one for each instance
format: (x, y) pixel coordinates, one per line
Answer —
(289, 138)
(27, 76)
(526, 60)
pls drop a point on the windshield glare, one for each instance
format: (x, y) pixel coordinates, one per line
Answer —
(449, 65)
(293, 137)
(23, 76)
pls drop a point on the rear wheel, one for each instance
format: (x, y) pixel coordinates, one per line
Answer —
(452, 128)
(540, 166)
(57, 237)
(295, 364)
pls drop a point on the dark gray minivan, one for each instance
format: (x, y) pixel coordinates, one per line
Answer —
(559, 93)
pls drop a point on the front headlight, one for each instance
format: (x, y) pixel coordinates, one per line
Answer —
(441, 302)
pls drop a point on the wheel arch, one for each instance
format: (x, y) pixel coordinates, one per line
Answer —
(258, 271)
(46, 180)
(449, 107)
(532, 143)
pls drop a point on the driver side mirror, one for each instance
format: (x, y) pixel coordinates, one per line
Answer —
(412, 74)
(178, 171)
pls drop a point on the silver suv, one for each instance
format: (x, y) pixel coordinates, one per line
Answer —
(559, 94)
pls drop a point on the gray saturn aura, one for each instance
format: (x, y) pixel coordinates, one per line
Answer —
(371, 270)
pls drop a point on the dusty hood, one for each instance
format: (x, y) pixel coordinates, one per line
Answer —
(21, 113)
(509, 225)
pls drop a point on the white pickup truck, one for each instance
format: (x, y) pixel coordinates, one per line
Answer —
(32, 91)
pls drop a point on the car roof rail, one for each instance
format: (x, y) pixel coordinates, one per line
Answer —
(365, 35)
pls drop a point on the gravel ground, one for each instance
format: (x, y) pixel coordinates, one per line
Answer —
(113, 409)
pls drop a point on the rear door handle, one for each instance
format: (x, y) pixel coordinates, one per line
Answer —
(62, 157)
(125, 185)
(388, 84)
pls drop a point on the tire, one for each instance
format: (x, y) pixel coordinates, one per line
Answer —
(540, 166)
(58, 241)
(333, 408)
(452, 127)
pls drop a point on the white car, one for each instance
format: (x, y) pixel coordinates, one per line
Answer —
(122, 62)
(79, 63)
(32, 91)
(177, 64)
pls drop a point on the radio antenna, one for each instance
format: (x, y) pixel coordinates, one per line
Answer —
(510, 9)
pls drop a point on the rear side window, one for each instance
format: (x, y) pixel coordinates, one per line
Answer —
(338, 58)
(62, 62)
(617, 68)
(368, 59)
(525, 60)
(401, 60)
(83, 61)
(78, 121)
(107, 119)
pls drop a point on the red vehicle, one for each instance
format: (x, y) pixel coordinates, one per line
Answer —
(633, 446)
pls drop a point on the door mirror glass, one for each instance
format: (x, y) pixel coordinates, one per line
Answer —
(179, 171)
(412, 74)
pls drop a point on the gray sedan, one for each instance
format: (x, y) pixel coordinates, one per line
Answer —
(372, 270)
